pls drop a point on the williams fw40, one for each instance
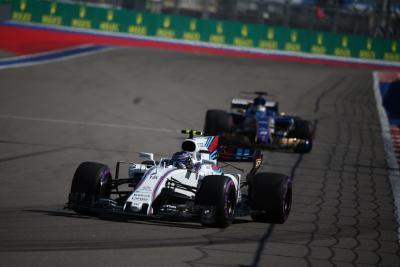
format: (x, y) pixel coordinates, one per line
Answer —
(257, 123)
(189, 185)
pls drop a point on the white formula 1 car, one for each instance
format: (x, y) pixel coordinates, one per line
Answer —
(189, 184)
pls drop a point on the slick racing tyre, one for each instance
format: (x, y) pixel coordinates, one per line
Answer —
(302, 130)
(217, 122)
(91, 181)
(217, 199)
(270, 197)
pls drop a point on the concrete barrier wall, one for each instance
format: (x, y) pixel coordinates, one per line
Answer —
(208, 31)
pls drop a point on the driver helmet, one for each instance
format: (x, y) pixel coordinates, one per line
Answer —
(259, 103)
(182, 160)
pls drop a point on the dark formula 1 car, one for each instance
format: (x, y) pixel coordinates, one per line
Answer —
(190, 184)
(256, 123)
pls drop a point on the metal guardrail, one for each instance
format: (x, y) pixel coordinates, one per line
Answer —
(374, 20)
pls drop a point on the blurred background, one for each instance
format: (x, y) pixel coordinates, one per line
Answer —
(375, 18)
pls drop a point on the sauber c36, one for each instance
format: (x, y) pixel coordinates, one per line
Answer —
(258, 124)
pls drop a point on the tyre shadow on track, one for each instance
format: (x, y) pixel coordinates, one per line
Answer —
(168, 222)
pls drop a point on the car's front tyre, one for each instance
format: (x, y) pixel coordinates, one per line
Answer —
(91, 182)
(302, 130)
(217, 198)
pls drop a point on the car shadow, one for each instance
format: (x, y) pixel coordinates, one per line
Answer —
(166, 222)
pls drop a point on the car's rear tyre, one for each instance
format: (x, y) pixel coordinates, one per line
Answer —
(270, 197)
(217, 196)
(302, 130)
(91, 181)
(217, 122)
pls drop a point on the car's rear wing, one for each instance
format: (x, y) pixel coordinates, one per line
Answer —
(239, 104)
(241, 154)
(236, 154)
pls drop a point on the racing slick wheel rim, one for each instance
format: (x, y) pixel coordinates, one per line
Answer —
(287, 202)
(229, 203)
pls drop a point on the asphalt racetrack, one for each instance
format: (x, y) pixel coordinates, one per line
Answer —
(109, 106)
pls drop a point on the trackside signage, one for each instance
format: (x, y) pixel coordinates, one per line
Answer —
(82, 20)
(269, 38)
(210, 31)
(51, 16)
(138, 24)
(22, 11)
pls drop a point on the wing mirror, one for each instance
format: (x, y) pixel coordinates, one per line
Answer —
(149, 156)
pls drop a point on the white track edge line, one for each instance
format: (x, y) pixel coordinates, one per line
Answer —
(61, 58)
(50, 52)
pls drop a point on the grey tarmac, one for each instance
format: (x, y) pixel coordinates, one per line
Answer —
(110, 106)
